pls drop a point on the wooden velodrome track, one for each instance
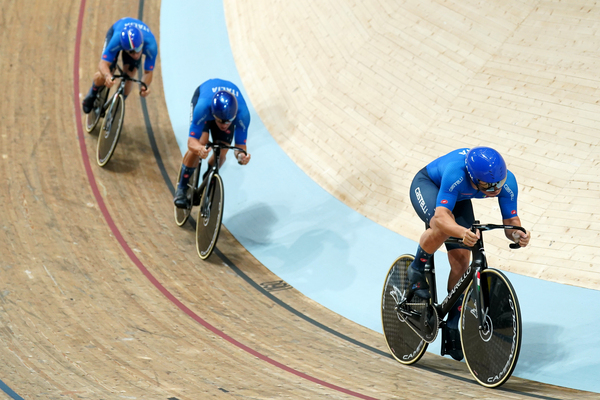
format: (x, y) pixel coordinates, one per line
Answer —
(103, 297)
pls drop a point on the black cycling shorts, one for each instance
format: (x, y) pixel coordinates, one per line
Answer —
(423, 196)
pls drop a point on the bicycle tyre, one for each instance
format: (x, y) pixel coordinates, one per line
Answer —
(492, 354)
(182, 214)
(404, 344)
(92, 118)
(108, 138)
(208, 226)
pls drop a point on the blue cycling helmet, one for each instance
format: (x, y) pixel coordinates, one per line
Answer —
(132, 38)
(486, 168)
(224, 106)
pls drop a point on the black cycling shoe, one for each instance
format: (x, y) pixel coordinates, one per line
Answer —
(451, 343)
(181, 200)
(418, 284)
(88, 103)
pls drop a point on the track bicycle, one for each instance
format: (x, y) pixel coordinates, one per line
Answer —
(210, 196)
(490, 319)
(112, 109)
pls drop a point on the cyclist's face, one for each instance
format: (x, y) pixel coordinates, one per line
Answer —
(485, 190)
(135, 55)
(222, 125)
(491, 189)
(492, 194)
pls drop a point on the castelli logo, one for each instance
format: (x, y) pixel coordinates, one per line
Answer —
(513, 212)
(444, 201)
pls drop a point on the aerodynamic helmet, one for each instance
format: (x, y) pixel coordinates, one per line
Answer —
(132, 38)
(224, 106)
(486, 168)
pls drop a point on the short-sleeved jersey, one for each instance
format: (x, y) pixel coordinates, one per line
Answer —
(449, 173)
(113, 47)
(201, 114)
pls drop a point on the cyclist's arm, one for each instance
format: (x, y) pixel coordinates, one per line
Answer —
(241, 135)
(147, 79)
(443, 221)
(242, 158)
(104, 68)
(198, 146)
(523, 238)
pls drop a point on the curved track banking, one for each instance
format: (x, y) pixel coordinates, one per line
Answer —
(96, 274)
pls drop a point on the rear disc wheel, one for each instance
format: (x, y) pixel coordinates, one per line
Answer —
(404, 344)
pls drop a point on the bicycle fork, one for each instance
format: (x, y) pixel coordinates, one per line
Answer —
(207, 200)
(109, 120)
(479, 303)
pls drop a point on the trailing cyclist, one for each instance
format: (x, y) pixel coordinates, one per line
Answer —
(218, 109)
(441, 195)
(132, 38)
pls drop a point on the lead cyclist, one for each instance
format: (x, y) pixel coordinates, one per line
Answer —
(441, 195)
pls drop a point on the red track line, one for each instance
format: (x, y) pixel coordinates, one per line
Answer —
(132, 256)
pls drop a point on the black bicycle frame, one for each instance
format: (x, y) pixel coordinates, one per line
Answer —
(112, 103)
(124, 78)
(472, 274)
(215, 168)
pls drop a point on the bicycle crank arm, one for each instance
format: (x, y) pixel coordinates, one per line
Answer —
(426, 326)
(407, 312)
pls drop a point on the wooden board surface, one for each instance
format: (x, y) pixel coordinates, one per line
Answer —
(102, 296)
(363, 94)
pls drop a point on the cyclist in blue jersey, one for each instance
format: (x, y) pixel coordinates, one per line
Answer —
(441, 195)
(218, 109)
(132, 38)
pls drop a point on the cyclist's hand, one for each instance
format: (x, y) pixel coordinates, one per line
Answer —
(202, 152)
(243, 159)
(521, 238)
(470, 238)
(144, 91)
(109, 80)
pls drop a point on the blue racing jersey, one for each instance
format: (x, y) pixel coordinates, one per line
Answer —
(201, 114)
(449, 173)
(113, 47)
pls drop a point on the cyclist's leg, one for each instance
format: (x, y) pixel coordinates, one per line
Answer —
(459, 259)
(459, 256)
(423, 196)
(189, 164)
(97, 81)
